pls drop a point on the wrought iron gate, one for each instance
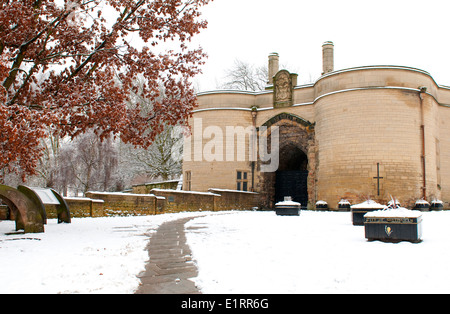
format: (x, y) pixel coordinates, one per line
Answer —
(294, 184)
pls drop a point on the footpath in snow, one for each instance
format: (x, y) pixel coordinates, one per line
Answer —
(90, 255)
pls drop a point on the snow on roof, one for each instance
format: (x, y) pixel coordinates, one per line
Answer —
(119, 193)
(186, 192)
(83, 199)
(375, 67)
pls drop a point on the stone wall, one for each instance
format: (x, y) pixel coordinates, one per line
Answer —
(160, 201)
(225, 163)
(183, 201)
(214, 200)
(81, 207)
(126, 204)
(147, 187)
(100, 204)
(352, 144)
(443, 150)
(234, 200)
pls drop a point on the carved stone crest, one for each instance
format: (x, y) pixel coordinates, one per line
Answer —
(283, 83)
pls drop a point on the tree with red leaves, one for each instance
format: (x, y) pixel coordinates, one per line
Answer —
(67, 67)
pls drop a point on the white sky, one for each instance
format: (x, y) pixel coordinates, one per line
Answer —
(382, 32)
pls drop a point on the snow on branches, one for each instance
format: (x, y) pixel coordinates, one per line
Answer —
(70, 66)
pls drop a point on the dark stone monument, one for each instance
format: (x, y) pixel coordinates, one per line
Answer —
(437, 205)
(287, 207)
(394, 225)
(359, 210)
(422, 205)
(344, 205)
(321, 205)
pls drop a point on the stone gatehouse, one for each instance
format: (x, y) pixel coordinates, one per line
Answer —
(367, 132)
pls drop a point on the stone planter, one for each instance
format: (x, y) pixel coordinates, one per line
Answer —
(437, 205)
(393, 225)
(321, 205)
(359, 210)
(344, 205)
(287, 208)
(422, 205)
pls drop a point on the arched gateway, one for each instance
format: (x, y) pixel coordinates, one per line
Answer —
(295, 173)
(371, 131)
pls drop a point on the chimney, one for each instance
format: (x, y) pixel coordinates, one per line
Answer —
(274, 65)
(328, 57)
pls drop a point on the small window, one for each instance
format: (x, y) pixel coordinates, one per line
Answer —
(188, 176)
(242, 181)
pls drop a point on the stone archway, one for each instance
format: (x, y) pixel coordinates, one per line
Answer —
(295, 175)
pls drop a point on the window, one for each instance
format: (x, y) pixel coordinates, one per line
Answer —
(438, 163)
(188, 180)
(242, 181)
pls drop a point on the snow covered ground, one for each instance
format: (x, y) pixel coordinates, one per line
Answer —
(237, 252)
(100, 255)
(318, 252)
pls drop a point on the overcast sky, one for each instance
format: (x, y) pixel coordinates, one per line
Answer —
(382, 32)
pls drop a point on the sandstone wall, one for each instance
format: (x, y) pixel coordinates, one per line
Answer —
(126, 204)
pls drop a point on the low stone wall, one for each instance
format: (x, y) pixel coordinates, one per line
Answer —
(101, 204)
(125, 204)
(147, 187)
(185, 201)
(214, 200)
(160, 201)
(81, 207)
(235, 200)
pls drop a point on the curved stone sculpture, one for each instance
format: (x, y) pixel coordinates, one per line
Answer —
(28, 215)
(35, 199)
(47, 196)
(62, 209)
